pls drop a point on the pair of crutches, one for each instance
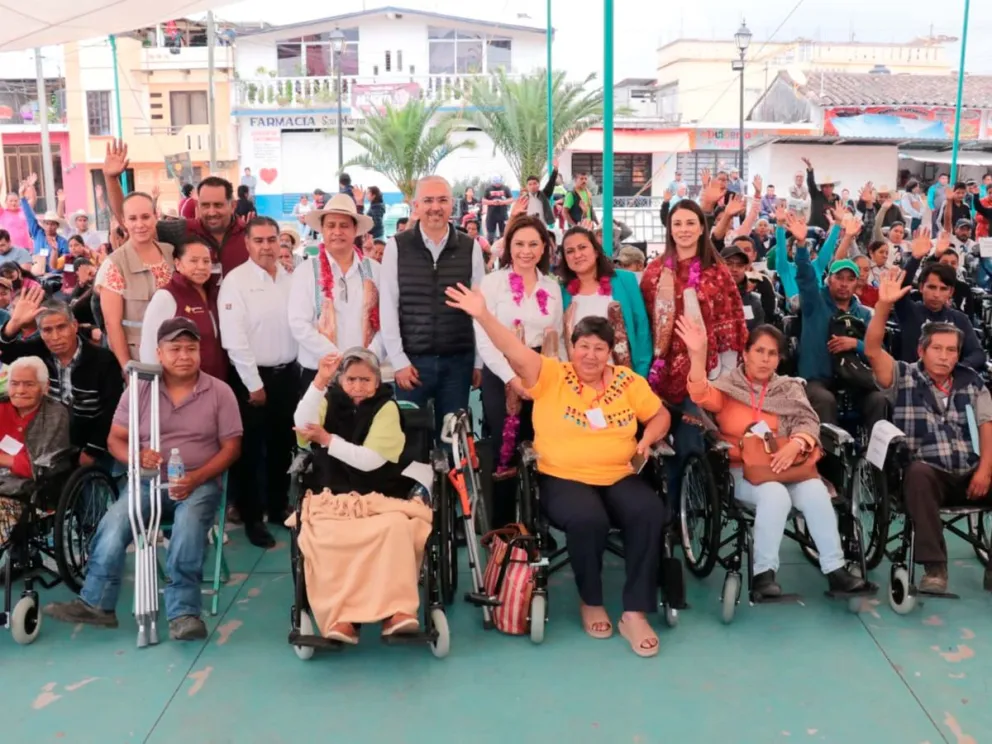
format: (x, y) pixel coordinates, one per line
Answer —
(456, 431)
(145, 532)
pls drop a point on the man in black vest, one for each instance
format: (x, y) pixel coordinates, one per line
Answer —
(430, 345)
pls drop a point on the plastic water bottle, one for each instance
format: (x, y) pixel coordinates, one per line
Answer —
(176, 469)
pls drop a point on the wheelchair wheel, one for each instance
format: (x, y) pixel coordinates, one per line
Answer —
(448, 548)
(700, 516)
(870, 504)
(538, 617)
(305, 653)
(441, 646)
(86, 497)
(901, 599)
(25, 620)
(980, 528)
(731, 594)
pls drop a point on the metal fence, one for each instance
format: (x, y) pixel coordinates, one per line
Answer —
(642, 214)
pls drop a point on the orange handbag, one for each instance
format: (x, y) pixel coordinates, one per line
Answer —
(756, 455)
(518, 580)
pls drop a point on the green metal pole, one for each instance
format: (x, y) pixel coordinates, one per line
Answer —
(550, 114)
(957, 105)
(607, 216)
(117, 103)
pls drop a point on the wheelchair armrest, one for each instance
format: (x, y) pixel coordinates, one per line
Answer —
(833, 438)
(55, 464)
(528, 455)
(302, 462)
(439, 460)
(719, 445)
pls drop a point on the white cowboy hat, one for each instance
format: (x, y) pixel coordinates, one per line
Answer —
(51, 216)
(340, 204)
(291, 233)
(79, 213)
(829, 181)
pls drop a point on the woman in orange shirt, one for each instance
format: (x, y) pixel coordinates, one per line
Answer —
(753, 395)
(585, 419)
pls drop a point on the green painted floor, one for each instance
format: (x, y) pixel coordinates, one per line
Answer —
(810, 672)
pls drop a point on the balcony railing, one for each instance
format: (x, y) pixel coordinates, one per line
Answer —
(162, 58)
(362, 92)
(193, 138)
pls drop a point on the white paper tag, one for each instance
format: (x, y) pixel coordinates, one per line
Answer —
(985, 247)
(882, 435)
(596, 418)
(748, 312)
(761, 266)
(44, 253)
(10, 446)
(761, 428)
(69, 268)
(216, 269)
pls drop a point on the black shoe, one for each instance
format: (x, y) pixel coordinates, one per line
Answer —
(843, 581)
(259, 536)
(764, 585)
(77, 611)
(987, 580)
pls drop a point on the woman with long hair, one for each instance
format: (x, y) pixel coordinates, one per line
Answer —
(191, 293)
(525, 299)
(376, 210)
(593, 286)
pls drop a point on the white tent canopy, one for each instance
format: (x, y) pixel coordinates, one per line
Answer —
(31, 24)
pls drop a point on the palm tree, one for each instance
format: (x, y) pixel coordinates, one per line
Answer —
(405, 144)
(514, 115)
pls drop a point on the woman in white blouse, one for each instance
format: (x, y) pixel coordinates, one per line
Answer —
(524, 298)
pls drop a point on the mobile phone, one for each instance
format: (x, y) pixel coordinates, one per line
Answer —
(637, 463)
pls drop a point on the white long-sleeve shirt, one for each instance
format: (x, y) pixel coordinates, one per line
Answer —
(389, 294)
(160, 309)
(308, 412)
(349, 303)
(496, 289)
(254, 320)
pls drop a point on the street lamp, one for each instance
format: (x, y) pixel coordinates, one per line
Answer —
(743, 39)
(337, 44)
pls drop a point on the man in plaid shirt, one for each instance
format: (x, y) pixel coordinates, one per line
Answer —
(945, 411)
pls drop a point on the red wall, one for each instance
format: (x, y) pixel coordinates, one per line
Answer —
(73, 178)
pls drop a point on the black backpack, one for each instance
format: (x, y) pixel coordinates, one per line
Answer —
(850, 370)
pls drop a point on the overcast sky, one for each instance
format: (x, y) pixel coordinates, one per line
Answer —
(639, 32)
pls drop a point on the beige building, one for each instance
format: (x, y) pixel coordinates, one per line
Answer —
(696, 84)
(163, 110)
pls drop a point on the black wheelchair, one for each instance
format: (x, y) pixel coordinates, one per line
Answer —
(895, 532)
(716, 529)
(50, 523)
(548, 558)
(439, 557)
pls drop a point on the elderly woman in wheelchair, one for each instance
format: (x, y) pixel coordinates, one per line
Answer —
(586, 414)
(942, 416)
(363, 524)
(753, 401)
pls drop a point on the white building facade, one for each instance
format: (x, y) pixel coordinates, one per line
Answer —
(286, 99)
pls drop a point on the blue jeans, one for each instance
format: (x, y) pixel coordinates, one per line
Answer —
(191, 520)
(688, 439)
(445, 379)
(773, 502)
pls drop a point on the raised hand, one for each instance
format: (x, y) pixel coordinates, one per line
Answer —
(868, 193)
(359, 194)
(469, 301)
(943, 243)
(326, 369)
(704, 177)
(735, 205)
(797, 226)
(27, 307)
(60, 195)
(781, 214)
(921, 243)
(667, 195)
(712, 193)
(32, 179)
(692, 333)
(852, 225)
(115, 161)
(756, 183)
(809, 165)
(890, 289)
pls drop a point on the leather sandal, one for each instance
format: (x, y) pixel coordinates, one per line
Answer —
(645, 646)
(598, 629)
(343, 633)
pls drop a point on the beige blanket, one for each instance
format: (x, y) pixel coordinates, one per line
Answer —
(362, 555)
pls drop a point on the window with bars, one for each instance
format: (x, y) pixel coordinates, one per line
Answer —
(631, 171)
(691, 165)
(389, 61)
(98, 112)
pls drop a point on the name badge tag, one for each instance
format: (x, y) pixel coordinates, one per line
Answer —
(44, 253)
(215, 269)
(596, 418)
(10, 446)
(748, 312)
(761, 428)
(69, 268)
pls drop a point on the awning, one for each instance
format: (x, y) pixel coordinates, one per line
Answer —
(632, 141)
(44, 22)
(970, 157)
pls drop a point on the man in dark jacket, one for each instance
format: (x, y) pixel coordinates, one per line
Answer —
(758, 296)
(822, 198)
(539, 200)
(937, 283)
(85, 377)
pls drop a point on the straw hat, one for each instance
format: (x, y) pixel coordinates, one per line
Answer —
(51, 216)
(829, 181)
(340, 204)
(292, 234)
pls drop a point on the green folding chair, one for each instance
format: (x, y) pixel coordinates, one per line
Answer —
(221, 573)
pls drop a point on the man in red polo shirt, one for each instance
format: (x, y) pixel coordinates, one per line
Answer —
(215, 223)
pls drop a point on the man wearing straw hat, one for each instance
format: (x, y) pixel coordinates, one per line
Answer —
(47, 243)
(334, 302)
(822, 197)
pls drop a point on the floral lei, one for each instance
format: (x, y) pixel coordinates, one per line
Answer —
(511, 424)
(327, 286)
(605, 288)
(695, 273)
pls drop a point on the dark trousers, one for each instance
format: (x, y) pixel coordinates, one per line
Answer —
(304, 378)
(495, 220)
(261, 480)
(925, 491)
(873, 404)
(585, 513)
(504, 498)
(446, 380)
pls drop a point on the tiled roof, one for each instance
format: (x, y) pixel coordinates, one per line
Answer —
(867, 89)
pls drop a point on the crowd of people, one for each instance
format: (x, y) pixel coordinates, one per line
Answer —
(596, 358)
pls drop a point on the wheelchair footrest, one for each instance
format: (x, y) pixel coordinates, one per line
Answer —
(870, 590)
(936, 595)
(482, 600)
(756, 599)
(313, 641)
(409, 639)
